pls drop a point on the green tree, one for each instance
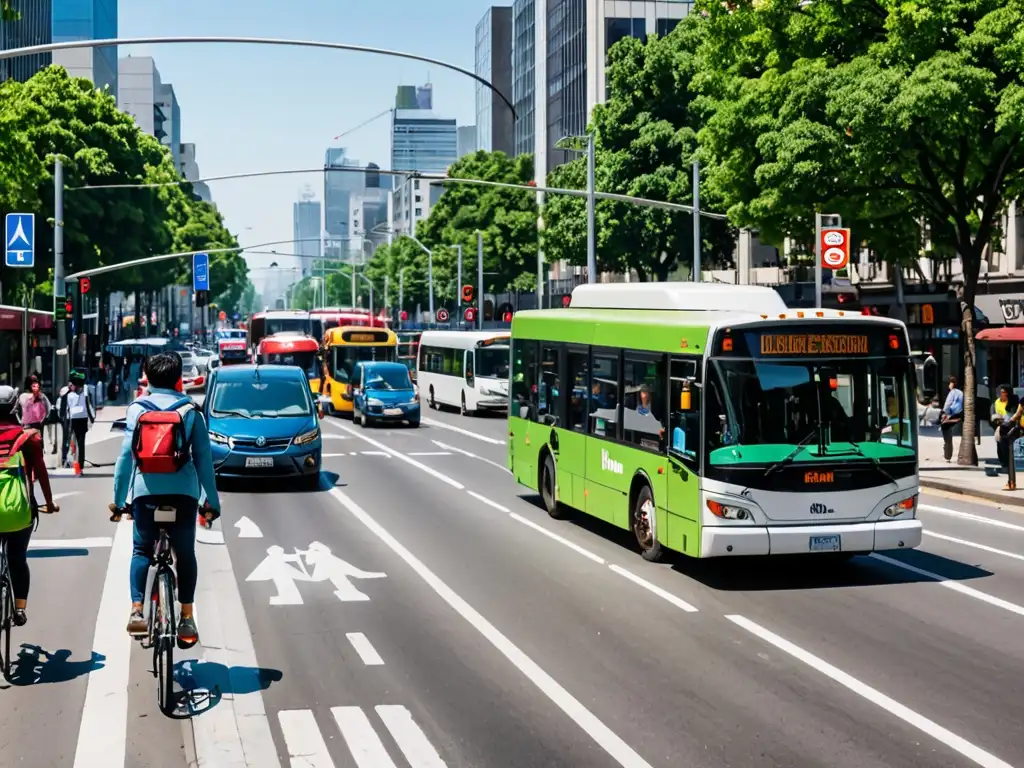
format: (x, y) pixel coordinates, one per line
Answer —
(881, 111)
(405, 265)
(507, 217)
(645, 141)
(8, 13)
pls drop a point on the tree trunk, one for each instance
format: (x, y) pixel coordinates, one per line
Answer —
(968, 454)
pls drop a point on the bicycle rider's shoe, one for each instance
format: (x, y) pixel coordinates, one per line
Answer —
(137, 625)
(188, 633)
(20, 619)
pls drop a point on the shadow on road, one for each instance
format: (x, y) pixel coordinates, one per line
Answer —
(47, 553)
(271, 485)
(35, 665)
(204, 683)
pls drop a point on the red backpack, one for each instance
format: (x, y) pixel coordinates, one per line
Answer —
(159, 444)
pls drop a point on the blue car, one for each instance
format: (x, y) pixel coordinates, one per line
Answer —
(383, 392)
(264, 422)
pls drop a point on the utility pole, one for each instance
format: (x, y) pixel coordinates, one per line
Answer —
(696, 220)
(458, 286)
(591, 212)
(479, 280)
(60, 360)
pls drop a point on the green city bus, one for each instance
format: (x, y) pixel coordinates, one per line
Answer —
(712, 420)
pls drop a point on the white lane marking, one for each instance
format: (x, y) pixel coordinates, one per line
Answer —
(461, 431)
(103, 731)
(556, 537)
(96, 541)
(306, 746)
(410, 738)
(678, 602)
(488, 502)
(385, 454)
(362, 741)
(247, 529)
(333, 437)
(621, 752)
(922, 723)
(972, 517)
(354, 453)
(365, 649)
(58, 496)
(447, 447)
(966, 543)
(418, 464)
(334, 455)
(956, 586)
(236, 733)
(91, 438)
(430, 453)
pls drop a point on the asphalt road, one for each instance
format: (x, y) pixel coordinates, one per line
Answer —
(421, 610)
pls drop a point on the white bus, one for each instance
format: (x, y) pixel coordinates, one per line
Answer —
(467, 369)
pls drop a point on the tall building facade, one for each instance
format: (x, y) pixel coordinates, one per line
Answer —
(495, 124)
(168, 102)
(35, 27)
(466, 142)
(524, 25)
(87, 20)
(306, 233)
(339, 187)
(141, 94)
(422, 140)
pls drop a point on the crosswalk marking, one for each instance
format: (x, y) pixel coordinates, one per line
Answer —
(306, 747)
(363, 742)
(409, 737)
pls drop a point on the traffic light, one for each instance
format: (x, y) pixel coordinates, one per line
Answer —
(202, 298)
(467, 294)
(69, 307)
(83, 285)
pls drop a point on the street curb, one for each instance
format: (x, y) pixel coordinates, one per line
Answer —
(941, 485)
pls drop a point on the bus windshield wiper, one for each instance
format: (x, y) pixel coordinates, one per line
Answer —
(874, 462)
(792, 455)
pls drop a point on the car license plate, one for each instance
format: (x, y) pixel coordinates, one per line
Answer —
(392, 411)
(259, 461)
(825, 543)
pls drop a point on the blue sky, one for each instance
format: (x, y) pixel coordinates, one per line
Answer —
(256, 108)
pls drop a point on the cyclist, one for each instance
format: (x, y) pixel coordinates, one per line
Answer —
(180, 487)
(13, 438)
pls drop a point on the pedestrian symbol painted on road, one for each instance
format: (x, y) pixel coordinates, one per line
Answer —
(20, 239)
(285, 570)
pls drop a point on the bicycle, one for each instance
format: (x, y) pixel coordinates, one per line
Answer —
(162, 622)
(6, 611)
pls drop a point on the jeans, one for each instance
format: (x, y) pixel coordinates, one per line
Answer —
(182, 533)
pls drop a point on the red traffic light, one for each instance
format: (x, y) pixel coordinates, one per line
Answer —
(68, 306)
(467, 294)
(507, 317)
(83, 285)
(404, 316)
(470, 314)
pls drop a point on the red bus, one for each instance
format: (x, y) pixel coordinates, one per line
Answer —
(280, 321)
(292, 349)
(325, 319)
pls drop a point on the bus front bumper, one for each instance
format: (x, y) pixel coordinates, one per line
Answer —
(731, 541)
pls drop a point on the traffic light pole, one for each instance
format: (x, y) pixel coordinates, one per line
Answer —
(458, 287)
(60, 352)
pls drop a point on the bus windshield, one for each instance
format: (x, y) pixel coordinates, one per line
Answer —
(862, 406)
(307, 361)
(286, 324)
(492, 362)
(345, 356)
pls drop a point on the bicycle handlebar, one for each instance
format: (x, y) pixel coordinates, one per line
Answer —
(206, 512)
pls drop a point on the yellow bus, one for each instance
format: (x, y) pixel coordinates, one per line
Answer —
(343, 348)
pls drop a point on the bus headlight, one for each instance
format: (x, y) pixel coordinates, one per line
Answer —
(307, 437)
(901, 507)
(728, 511)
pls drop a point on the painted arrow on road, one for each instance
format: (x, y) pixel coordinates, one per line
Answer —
(247, 529)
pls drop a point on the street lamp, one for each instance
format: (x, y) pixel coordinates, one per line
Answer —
(401, 291)
(430, 273)
(565, 143)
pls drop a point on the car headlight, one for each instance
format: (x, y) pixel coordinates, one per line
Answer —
(307, 437)
(728, 511)
(374, 401)
(902, 506)
(218, 438)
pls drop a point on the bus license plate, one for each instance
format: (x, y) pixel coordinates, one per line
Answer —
(392, 411)
(825, 543)
(259, 461)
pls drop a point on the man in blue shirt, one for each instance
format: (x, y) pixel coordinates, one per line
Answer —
(182, 490)
(952, 415)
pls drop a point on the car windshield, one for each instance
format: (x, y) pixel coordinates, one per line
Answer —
(387, 378)
(307, 361)
(492, 362)
(345, 356)
(864, 404)
(261, 398)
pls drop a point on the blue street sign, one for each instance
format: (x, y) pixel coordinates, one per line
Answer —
(21, 239)
(201, 272)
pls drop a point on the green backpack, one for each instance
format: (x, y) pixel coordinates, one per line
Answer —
(15, 509)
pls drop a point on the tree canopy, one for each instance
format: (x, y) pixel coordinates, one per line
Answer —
(53, 115)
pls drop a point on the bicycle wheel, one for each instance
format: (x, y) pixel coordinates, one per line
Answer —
(163, 650)
(6, 619)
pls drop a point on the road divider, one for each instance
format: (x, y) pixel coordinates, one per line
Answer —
(967, 749)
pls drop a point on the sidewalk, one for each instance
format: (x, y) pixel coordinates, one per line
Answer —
(985, 481)
(99, 432)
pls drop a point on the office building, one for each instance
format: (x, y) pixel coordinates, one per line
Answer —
(339, 187)
(87, 20)
(306, 232)
(524, 23)
(466, 140)
(571, 42)
(422, 141)
(142, 95)
(35, 27)
(494, 122)
(190, 170)
(168, 102)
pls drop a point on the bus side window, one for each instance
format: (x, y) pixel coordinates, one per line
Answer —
(469, 366)
(550, 389)
(524, 379)
(604, 394)
(456, 362)
(684, 424)
(643, 413)
(578, 379)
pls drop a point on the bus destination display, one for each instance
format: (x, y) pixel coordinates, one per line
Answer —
(364, 337)
(834, 344)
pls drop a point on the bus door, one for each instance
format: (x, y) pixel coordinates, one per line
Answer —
(571, 457)
(679, 524)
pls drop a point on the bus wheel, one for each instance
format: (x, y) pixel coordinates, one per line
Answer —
(547, 489)
(433, 402)
(643, 522)
(465, 411)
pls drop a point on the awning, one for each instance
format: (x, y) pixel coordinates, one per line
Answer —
(1009, 333)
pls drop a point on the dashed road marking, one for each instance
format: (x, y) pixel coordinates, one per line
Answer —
(461, 431)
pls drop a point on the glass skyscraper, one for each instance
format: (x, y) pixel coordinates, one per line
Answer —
(35, 27)
(524, 25)
(494, 123)
(422, 141)
(87, 20)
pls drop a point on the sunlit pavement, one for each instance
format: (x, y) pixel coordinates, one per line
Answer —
(421, 610)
